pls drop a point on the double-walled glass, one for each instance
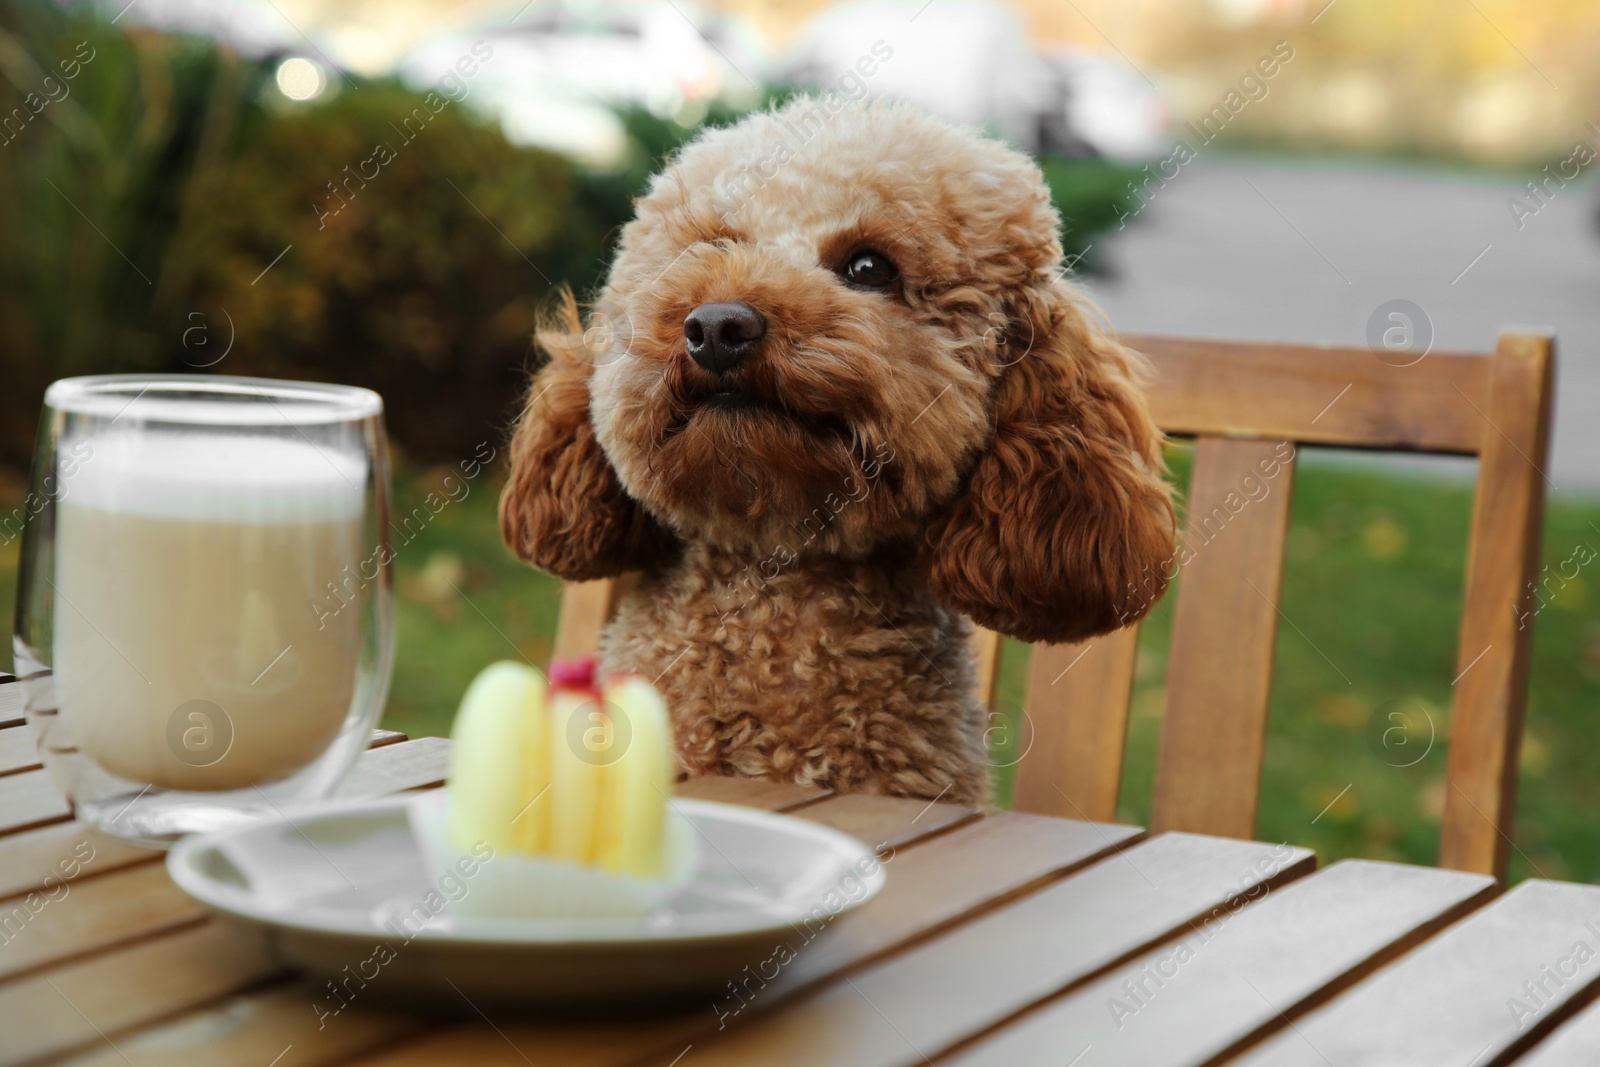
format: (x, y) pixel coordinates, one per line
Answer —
(205, 621)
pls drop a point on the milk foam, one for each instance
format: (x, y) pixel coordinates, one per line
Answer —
(240, 478)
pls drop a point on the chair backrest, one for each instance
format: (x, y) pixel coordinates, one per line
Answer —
(1249, 405)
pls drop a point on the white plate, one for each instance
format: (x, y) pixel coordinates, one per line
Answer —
(333, 888)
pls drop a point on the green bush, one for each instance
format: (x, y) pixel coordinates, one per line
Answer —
(422, 281)
(1094, 196)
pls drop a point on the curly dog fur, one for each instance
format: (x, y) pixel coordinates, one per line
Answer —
(961, 443)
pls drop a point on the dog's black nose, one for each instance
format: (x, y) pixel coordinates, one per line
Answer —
(721, 336)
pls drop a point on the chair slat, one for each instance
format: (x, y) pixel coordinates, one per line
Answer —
(1496, 626)
(585, 609)
(1224, 631)
(986, 647)
(1078, 712)
(1316, 394)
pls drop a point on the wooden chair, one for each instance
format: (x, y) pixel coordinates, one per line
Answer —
(1244, 403)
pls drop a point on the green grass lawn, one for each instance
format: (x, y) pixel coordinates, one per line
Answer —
(1373, 587)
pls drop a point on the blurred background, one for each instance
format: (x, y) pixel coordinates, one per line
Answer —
(389, 194)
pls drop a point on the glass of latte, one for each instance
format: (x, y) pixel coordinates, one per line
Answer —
(205, 623)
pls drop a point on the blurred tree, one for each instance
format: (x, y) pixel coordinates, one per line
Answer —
(100, 133)
(1496, 80)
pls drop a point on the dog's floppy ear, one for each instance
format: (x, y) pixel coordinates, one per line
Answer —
(1065, 528)
(563, 509)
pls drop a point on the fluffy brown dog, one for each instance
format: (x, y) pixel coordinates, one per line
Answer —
(836, 396)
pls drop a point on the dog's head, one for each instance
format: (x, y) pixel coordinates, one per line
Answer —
(833, 329)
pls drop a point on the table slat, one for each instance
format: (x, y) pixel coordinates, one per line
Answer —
(887, 822)
(1191, 1002)
(80, 1002)
(10, 701)
(92, 914)
(939, 883)
(37, 930)
(924, 1000)
(253, 1028)
(34, 861)
(18, 751)
(140, 902)
(396, 768)
(1454, 1001)
(30, 799)
(953, 877)
(751, 792)
(1575, 1044)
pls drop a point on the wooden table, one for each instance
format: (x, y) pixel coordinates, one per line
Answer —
(1002, 939)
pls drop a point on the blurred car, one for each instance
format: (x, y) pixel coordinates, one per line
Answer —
(970, 63)
(973, 63)
(559, 71)
(1108, 109)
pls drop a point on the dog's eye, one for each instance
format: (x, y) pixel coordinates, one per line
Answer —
(869, 269)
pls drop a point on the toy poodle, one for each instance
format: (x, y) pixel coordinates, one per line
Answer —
(836, 399)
